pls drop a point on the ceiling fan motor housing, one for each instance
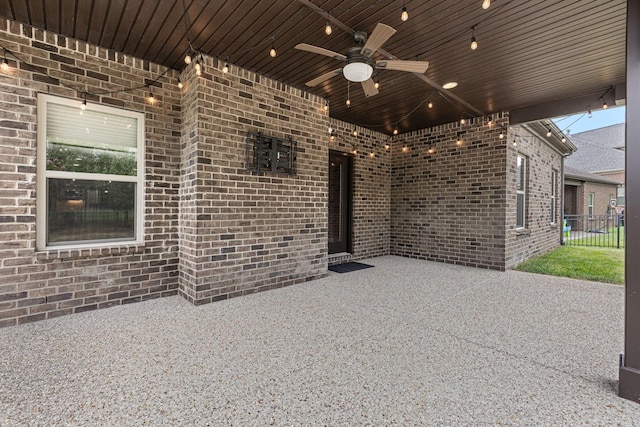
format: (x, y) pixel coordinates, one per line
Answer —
(359, 67)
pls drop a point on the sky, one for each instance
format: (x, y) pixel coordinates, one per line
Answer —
(577, 123)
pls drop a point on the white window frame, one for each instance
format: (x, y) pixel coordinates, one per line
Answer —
(522, 191)
(554, 192)
(42, 174)
(620, 194)
(591, 198)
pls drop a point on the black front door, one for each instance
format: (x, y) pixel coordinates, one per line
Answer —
(340, 165)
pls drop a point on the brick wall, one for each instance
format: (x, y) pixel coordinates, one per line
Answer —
(213, 229)
(540, 234)
(38, 285)
(602, 194)
(570, 200)
(615, 175)
(371, 189)
(447, 200)
(243, 232)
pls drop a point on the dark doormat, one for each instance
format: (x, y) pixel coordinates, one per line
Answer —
(349, 267)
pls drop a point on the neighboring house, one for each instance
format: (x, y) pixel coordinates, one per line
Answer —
(123, 198)
(602, 152)
(587, 193)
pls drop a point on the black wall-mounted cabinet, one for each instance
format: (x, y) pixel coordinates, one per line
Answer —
(270, 154)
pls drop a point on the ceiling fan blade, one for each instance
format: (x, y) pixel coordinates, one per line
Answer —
(399, 65)
(377, 38)
(322, 78)
(369, 88)
(321, 51)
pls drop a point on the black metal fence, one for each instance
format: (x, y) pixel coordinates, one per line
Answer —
(605, 231)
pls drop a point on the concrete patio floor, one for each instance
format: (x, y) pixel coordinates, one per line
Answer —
(405, 343)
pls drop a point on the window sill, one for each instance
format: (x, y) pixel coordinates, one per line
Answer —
(63, 254)
(522, 232)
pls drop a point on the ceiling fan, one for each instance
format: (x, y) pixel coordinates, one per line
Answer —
(359, 59)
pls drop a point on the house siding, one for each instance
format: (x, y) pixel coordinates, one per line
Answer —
(371, 189)
(35, 285)
(214, 230)
(449, 205)
(540, 234)
(243, 232)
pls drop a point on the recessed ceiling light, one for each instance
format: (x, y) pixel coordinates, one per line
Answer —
(450, 85)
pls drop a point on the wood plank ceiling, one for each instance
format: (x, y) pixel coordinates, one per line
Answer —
(530, 52)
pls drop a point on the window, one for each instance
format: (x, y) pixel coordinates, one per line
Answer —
(620, 196)
(590, 199)
(521, 185)
(90, 174)
(553, 196)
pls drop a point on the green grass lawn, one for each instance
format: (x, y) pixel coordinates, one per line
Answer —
(586, 263)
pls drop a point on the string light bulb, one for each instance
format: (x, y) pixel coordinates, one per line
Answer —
(152, 99)
(501, 135)
(5, 63)
(474, 43)
(180, 85)
(404, 16)
(395, 131)
(549, 132)
(198, 68)
(225, 69)
(348, 102)
(462, 121)
(430, 150)
(187, 59)
(564, 138)
(83, 106)
(272, 52)
(387, 146)
(355, 133)
(486, 4)
(377, 84)
(604, 105)
(326, 105)
(590, 114)
(327, 28)
(430, 104)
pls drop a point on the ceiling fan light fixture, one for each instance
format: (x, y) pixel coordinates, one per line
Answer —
(449, 85)
(357, 71)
